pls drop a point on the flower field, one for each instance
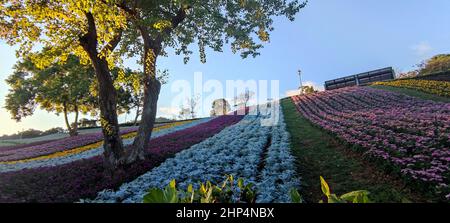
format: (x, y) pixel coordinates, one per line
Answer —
(258, 154)
(53, 146)
(83, 178)
(90, 150)
(405, 135)
(410, 135)
(441, 88)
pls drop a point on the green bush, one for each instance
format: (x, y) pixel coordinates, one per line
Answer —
(223, 193)
(207, 193)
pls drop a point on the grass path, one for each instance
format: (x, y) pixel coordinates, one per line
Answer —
(413, 93)
(320, 154)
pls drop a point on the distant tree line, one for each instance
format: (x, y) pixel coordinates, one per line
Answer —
(31, 133)
(436, 64)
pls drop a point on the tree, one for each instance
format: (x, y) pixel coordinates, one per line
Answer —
(157, 25)
(86, 28)
(59, 88)
(190, 110)
(147, 28)
(192, 103)
(130, 90)
(184, 113)
(220, 107)
(308, 89)
(243, 99)
(435, 64)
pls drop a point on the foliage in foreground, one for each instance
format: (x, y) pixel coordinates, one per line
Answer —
(229, 192)
(226, 192)
(359, 196)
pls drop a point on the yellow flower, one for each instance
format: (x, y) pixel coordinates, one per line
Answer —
(441, 88)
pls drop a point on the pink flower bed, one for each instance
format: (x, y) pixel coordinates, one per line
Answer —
(412, 135)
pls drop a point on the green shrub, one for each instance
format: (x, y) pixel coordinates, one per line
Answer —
(207, 193)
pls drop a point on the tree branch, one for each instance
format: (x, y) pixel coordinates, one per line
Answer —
(112, 44)
(89, 40)
(176, 21)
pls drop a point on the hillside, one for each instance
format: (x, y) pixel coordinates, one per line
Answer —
(388, 143)
(404, 136)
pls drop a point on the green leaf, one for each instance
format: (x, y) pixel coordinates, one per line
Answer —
(172, 184)
(202, 189)
(359, 196)
(332, 198)
(171, 195)
(241, 183)
(295, 196)
(325, 187)
(155, 195)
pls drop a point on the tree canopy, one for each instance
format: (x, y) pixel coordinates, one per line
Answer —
(60, 88)
(243, 24)
(435, 64)
(58, 26)
(102, 32)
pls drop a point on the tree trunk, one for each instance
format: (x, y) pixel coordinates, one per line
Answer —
(114, 153)
(137, 114)
(75, 124)
(66, 119)
(152, 88)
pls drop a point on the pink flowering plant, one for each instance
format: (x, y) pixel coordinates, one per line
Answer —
(410, 136)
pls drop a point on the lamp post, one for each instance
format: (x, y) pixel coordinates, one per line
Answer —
(301, 84)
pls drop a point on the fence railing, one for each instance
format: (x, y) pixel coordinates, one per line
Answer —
(361, 79)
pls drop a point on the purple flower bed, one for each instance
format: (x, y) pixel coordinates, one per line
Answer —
(409, 134)
(32, 150)
(84, 178)
(20, 146)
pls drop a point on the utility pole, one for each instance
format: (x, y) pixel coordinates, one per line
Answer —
(301, 84)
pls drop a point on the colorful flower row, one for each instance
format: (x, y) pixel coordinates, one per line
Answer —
(237, 150)
(441, 88)
(65, 146)
(55, 146)
(410, 134)
(91, 150)
(20, 146)
(84, 178)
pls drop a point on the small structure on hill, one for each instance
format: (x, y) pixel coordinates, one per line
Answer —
(220, 107)
(361, 79)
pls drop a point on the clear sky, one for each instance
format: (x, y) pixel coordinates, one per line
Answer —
(329, 39)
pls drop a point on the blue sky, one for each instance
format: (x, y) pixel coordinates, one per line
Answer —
(329, 39)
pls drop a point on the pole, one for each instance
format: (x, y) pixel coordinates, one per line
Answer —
(301, 84)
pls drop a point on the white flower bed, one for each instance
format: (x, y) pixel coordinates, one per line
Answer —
(89, 153)
(236, 150)
(278, 175)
